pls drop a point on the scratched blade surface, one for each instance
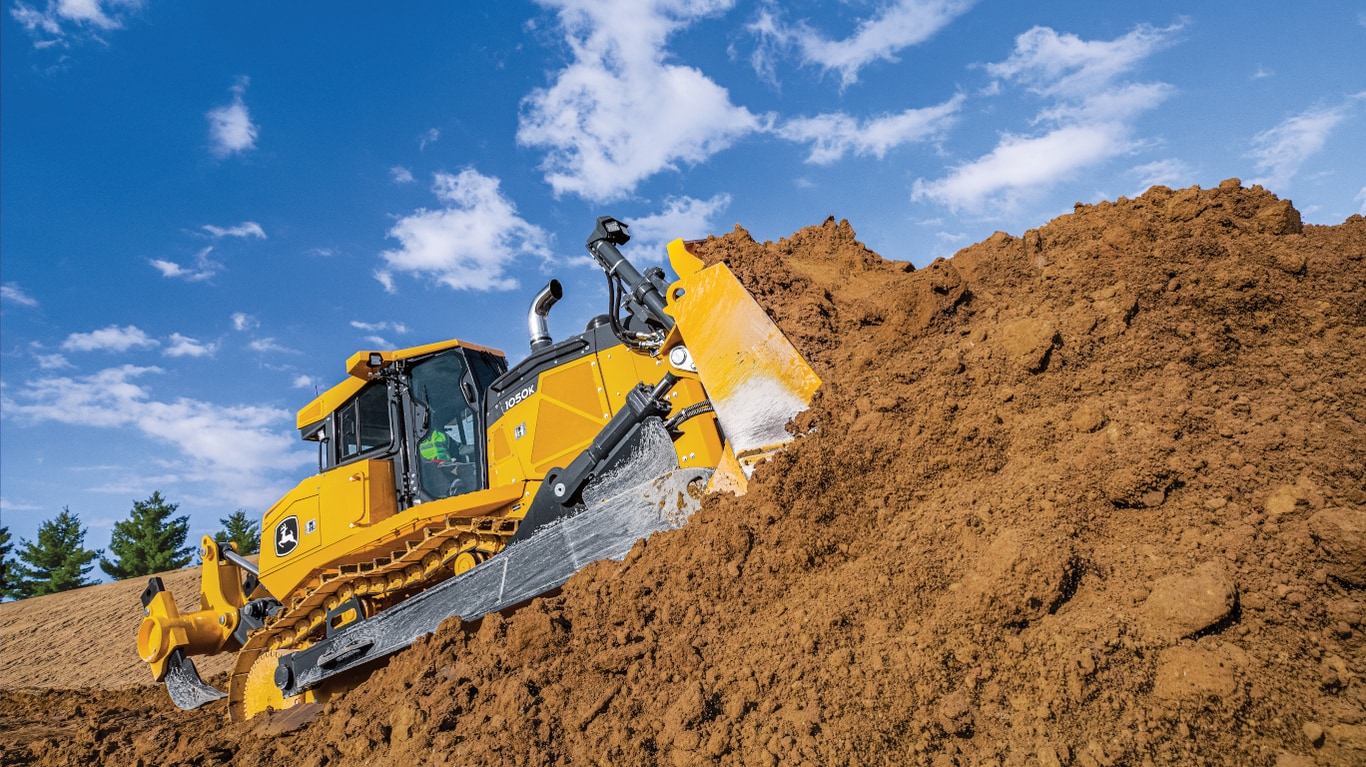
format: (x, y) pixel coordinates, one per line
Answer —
(754, 376)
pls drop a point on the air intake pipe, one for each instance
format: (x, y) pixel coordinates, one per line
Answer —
(540, 309)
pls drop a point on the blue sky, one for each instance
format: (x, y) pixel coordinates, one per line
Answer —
(205, 208)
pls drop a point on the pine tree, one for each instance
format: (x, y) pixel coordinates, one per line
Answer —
(240, 529)
(6, 580)
(149, 541)
(59, 560)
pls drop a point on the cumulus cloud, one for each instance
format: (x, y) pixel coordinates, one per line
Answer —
(110, 339)
(306, 382)
(241, 450)
(244, 229)
(1086, 120)
(895, 26)
(469, 243)
(834, 135)
(184, 346)
(52, 361)
(1065, 65)
(1019, 163)
(1281, 150)
(11, 292)
(618, 113)
(60, 22)
(231, 130)
(431, 136)
(204, 267)
(401, 175)
(242, 321)
(682, 217)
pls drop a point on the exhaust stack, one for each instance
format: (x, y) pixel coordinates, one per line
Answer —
(540, 309)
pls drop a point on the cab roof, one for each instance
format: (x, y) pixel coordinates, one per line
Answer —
(363, 366)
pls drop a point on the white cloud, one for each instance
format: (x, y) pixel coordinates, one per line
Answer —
(52, 361)
(7, 505)
(110, 339)
(242, 321)
(239, 449)
(204, 267)
(60, 20)
(270, 346)
(401, 175)
(184, 346)
(1170, 173)
(306, 382)
(1361, 196)
(1280, 151)
(468, 244)
(895, 26)
(244, 229)
(1088, 118)
(380, 327)
(682, 217)
(10, 291)
(385, 278)
(430, 137)
(1064, 65)
(231, 130)
(832, 136)
(1262, 73)
(1021, 165)
(618, 114)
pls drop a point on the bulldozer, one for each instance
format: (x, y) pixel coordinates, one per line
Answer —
(450, 484)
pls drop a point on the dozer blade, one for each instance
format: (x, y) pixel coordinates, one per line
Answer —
(754, 376)
(185, 687)
(619, 509)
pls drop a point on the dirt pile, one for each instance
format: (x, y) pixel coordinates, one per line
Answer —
(1090, 496)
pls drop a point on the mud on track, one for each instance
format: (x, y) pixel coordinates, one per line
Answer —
(1092, 495)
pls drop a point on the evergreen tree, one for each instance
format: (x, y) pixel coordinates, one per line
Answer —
(5, 577)
(242, 530)
(149, 541)
(59, 560)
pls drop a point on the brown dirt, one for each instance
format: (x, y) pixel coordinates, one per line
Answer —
(87, 637)
(1090, 496)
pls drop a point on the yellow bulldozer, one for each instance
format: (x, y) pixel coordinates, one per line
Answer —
(451, 485)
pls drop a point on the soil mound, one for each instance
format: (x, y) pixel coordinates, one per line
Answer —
(1089, 496)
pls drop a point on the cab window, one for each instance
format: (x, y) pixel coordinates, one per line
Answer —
(363, 424)
(448, 434)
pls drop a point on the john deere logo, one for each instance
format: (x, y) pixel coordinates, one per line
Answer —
(286, 536)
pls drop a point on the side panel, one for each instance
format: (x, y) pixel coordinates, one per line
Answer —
(551, 425)
(319, 513)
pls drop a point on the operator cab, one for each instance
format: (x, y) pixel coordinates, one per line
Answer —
(421, 408)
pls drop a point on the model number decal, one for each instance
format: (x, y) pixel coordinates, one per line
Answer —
(512, 401)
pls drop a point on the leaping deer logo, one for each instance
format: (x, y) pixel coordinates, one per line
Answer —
(286, 536)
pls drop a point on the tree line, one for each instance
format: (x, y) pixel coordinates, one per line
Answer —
(151, 540)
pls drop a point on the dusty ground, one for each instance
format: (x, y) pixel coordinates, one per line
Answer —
(1090, 496)
(86, 637)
